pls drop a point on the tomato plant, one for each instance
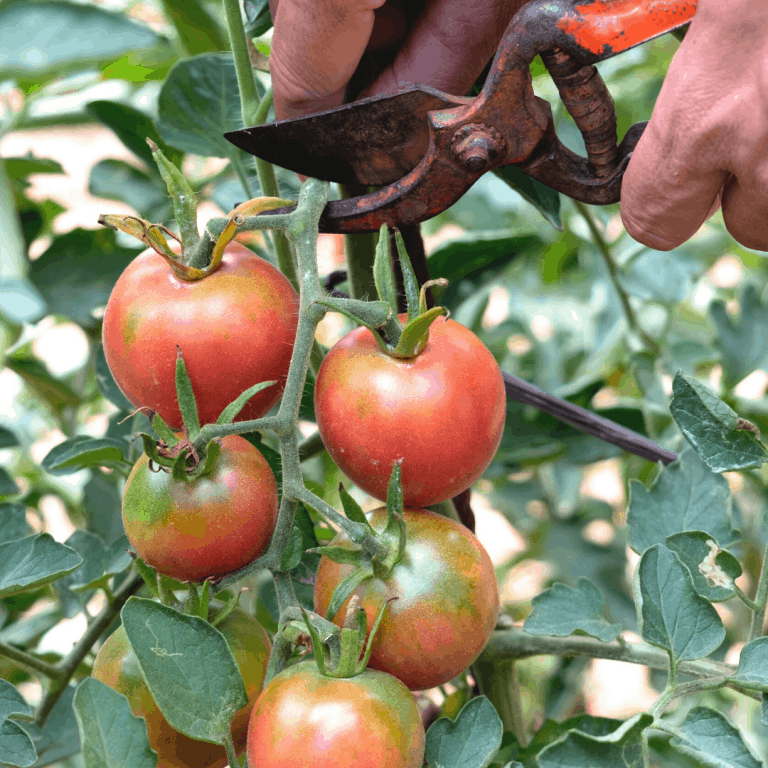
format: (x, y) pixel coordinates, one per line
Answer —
(235, 328)
(304, 718)
(442, 412)
(447, 600)
(209, 526)
(117, 666)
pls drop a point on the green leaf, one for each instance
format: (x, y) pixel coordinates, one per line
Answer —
(744, 342)
(470, 742)
(198, 103)
(48, 38)
(753, 665)
(709, 738)
(686, 496)
(31, 562)
(36, 376)
(619, 749)
(59, 739)
(8, 438)
(103, 505)
(725, 441)
(562, 610)
(133, 128)
(12, 703)
(293, 551)
(112, 736)
(257, 16)
(117, 180)
(693, 550)
(84, 451)
(20, 301)
(13, 522)
(670, 612)
(662, 276)
(188, 667)
(106, 383)
(89, 259)
(19, 168)
(8, 485)
(545, 199)
(195, 27)
(16, 747)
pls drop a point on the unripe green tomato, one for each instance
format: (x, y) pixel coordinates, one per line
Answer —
(210, 526)
(117, 666)
(303, 718)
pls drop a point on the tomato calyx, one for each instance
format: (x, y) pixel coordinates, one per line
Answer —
(353, 651)
(369, 565)
(394, 338)
(200, 255)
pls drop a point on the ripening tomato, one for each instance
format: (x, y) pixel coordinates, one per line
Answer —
(303, 718)
(117, 666)
(210, 526)
(235, 328)
(447, 602)
(441, 411)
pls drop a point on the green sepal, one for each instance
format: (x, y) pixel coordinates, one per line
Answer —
(352, 509)
(230, 413)
(369, 643)
(179, 469)
(345, 588)
(318, 648)
(182, 197)
(394, 534)
(371, 314)
(293, 551)
(410, 283)
(205, 600)
(149, 574)
(416, 333)
(395, 488)
(340, 554)
(164, 432)
(192, 605)
(383, 273)
(440, 281)
(228, 607)
(186, 397)
(150, 448)
(213, 451)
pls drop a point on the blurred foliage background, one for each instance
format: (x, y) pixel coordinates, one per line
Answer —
(558, 292)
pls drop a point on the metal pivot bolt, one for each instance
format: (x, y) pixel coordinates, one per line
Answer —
(476, 146)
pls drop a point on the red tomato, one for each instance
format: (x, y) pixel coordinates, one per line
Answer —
(117, 666)
(447, 600)
(208, 527)
(442, 412)
(235, 328)
(303, 718)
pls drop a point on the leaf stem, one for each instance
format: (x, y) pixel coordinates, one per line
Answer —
(69, 664)
(361, 253)
(613, 271)
(24, 659)
(753, 606)
(761, 597)
(229, 748)
(246, 83)
(500, 682)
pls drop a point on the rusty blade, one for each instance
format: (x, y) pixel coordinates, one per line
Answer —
(374, 141)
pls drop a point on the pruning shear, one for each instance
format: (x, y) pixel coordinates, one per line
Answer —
(426, 148)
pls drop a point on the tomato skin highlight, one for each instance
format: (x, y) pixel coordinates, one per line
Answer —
(235, 328)
(442, 412)
(208, 527)
(117, 666)
(448, 600)
(305, 719)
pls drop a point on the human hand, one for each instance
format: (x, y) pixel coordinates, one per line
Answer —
(707, 142)
(317, 45)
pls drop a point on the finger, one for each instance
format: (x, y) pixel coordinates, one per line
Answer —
(745, 208)
(449, 46)
(316, 46)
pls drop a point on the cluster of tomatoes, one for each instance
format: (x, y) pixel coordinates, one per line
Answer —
(440, 412)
